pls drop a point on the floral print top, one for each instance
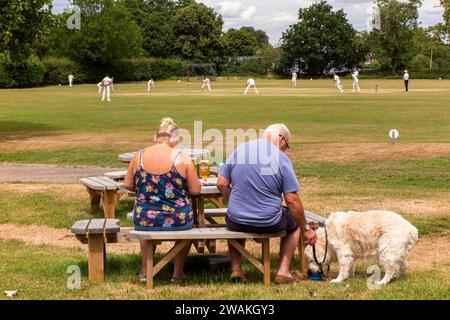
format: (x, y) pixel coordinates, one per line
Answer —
(162, 201)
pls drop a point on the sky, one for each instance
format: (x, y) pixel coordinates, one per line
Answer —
(275, 16)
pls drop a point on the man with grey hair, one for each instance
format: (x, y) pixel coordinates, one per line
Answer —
(254, 180)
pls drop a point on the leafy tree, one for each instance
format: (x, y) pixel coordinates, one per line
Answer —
(108, 34)
(156, 20)
(322, 40)
(22, 23)
(431, 44)
(239, 43)
(260, 35)
(198, 32)
(446, 5)
(399, 20)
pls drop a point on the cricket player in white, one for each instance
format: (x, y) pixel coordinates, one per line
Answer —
(338, 83)
(107, 83)
(355, 75)
(206, 84)
(294, 79)
(251, 83)
(71, 77)
(150, 85)
(100, 87)
(406, 80)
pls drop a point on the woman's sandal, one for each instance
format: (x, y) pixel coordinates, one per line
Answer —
(238, 276)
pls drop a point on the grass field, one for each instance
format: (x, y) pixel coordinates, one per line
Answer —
(340, 150)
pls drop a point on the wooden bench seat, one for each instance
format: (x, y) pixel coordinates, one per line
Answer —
(103, 188)
(185, 238)
(116, 175)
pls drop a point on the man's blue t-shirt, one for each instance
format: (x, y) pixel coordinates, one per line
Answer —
(260, 174)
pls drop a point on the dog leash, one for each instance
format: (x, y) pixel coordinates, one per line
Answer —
(320, 264)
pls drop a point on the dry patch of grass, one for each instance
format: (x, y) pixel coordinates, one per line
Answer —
(19, 142)
(350, 152)
(428, 252)
(324, 198)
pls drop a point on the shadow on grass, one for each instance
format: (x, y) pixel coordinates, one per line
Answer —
(18, 130)
(124, 267)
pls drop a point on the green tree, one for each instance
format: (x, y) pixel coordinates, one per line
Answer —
(108, 34)
(198, 34)
(156, 20)
(446, 5)
(430, 43)
(399, 20)
(239, 43)
(21, 24)
(322, 40)
(260, 35)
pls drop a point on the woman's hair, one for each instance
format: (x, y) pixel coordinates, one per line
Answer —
(167, 129)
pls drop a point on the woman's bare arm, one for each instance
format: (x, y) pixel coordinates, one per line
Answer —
(129, 182)
(193, 183)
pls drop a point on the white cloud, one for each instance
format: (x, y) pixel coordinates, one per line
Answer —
(233, 9)
(249, 12)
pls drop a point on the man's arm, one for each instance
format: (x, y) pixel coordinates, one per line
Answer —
(295, 207)
(224, 186)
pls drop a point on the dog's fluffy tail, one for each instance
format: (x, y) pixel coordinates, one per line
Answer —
(413, 238)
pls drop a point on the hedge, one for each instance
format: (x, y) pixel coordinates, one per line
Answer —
(29, 73)
(244, 68)
(139, 69)
(414, 74)
(58, 69)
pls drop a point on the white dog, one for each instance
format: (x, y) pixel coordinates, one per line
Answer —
(380, 236)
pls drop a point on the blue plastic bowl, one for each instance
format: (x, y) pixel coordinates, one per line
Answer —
(315, 276)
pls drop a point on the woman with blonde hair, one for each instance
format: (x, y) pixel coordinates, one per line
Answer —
(163, 179)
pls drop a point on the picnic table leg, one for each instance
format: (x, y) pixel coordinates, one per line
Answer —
(95, 199)
(211, 244)
(201, 222)
(301, 253)
(150, 252)
(96, 256)
(266, 261)
(109, 204)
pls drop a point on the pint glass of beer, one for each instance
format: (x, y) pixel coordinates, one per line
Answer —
(205, 169)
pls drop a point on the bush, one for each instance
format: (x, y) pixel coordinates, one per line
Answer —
(6, 81)
(58, 69)
(253, 67)
(139, 69)
(414, 74)
(28, 73)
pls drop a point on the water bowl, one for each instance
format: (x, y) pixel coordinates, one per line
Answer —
(315, 276)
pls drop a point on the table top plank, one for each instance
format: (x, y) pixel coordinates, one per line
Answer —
(200, 234)
(108, 184)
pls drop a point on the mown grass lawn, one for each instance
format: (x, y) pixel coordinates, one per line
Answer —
(340, 150)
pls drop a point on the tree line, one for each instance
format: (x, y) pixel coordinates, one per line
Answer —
(140, 39)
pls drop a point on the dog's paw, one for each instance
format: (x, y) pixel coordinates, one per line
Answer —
(336, 281)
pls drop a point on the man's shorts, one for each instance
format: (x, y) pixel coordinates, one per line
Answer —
(286, 224)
